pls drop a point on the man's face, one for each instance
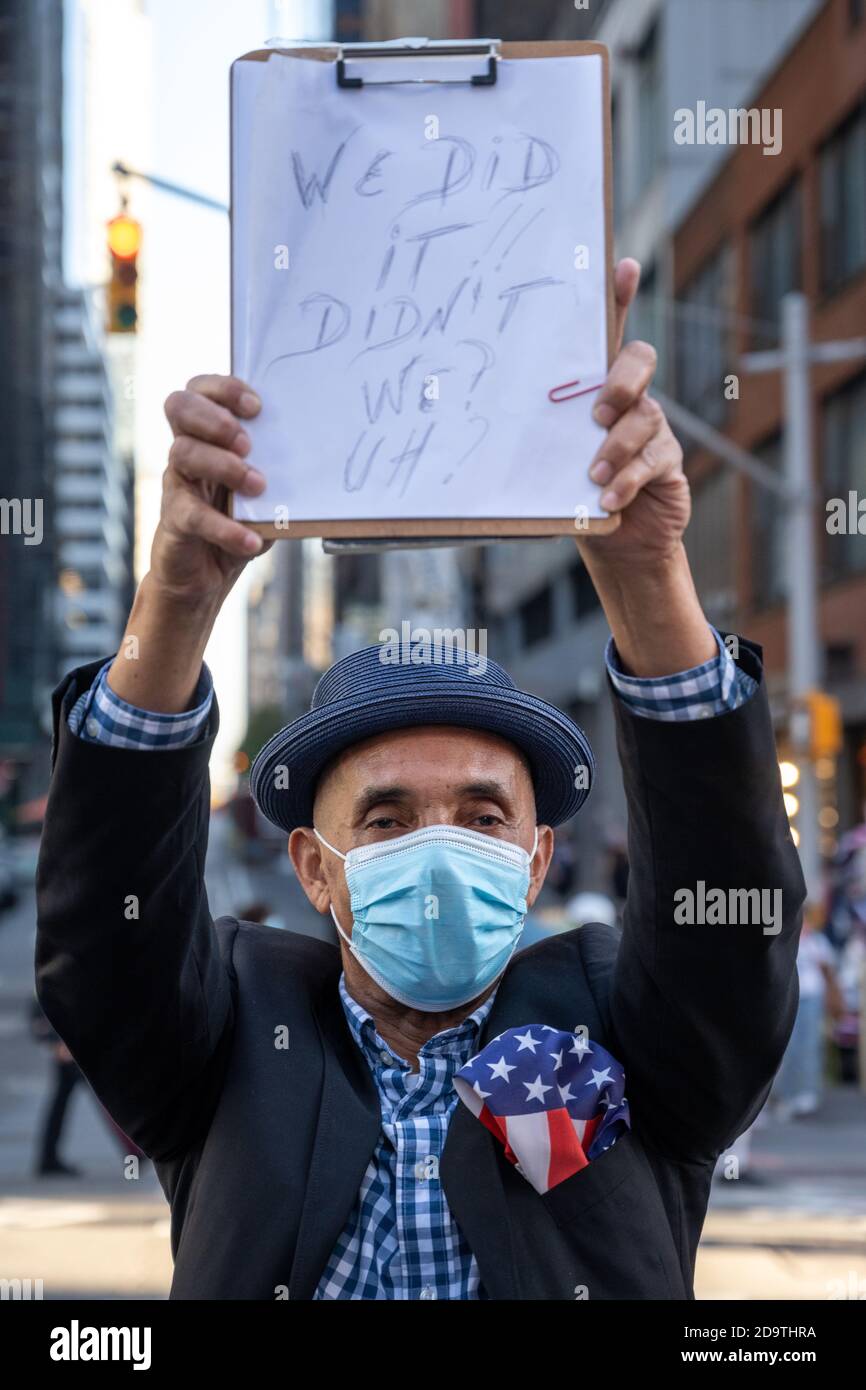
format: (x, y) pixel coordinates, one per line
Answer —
(401, 781)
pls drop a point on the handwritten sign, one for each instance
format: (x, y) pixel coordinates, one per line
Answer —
(413, 269)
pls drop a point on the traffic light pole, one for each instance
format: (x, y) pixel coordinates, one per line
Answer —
(804, 662)
(123, 171)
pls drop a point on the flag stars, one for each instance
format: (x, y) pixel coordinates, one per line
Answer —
(580, 1047)
(535, 1089)
(557, 1059)
(599, 1078)
(526, 1040)
(500, 1068)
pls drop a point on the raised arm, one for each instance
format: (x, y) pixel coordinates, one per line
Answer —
(703, 1001)
(130, 969)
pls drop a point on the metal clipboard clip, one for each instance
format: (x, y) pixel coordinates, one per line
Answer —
(439, 61)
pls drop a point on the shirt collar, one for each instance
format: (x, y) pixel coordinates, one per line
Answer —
(458, 1043)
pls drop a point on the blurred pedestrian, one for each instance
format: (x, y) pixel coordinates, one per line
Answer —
(562, 874)
(262, 912)
(591, 907)
(66, 1076)
(798, 1085)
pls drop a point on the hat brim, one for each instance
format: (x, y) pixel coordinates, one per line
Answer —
(284, 774)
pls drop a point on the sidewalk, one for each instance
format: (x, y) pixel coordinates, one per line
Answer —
(801, 1232)
(98, 1236)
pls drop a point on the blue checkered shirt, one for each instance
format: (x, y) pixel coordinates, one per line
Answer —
(400, 1240)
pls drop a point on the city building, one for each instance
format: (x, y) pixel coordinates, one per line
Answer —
(31, 220)
(281, 669)
(545, 623)
(763, 227)
(93, 492)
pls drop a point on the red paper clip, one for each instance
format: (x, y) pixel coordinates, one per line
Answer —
(553, 393)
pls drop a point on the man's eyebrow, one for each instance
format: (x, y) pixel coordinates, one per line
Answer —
(374, 796)
(488, 790)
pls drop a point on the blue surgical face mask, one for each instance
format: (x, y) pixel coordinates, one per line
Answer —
(436, 914)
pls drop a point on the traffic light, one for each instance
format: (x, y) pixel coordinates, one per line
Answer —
(825, 724)
(124, 242)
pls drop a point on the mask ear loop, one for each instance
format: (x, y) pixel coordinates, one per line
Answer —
(348, 940)
(327, 846)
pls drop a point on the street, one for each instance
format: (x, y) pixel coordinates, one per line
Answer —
(798, 1233)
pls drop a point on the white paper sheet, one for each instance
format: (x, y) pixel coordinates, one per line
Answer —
(413, 268)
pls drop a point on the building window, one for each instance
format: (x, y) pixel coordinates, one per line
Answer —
(584, 599)
(536, 617)
(774, 262)
(710, 543)
(703, 339)
(844, 459)
(649, 97)
(843, 202)
(769, 580)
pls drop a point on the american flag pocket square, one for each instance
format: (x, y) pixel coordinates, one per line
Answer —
(555, 1100)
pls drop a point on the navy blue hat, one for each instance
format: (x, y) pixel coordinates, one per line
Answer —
(370, 692)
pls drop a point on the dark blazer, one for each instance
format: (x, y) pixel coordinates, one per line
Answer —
(261, 1151)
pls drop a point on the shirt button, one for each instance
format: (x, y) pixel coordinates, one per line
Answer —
(92, 727)
(428, 1291)
(386, 1058)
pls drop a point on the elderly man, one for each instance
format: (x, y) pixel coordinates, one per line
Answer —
(343, 1123)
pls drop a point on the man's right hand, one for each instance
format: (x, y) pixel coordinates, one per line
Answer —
(198, 552)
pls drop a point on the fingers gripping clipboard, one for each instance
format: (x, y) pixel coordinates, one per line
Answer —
(421, 251)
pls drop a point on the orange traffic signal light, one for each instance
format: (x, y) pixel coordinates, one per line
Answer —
(825, 722)
(124, 242)
(124, 237)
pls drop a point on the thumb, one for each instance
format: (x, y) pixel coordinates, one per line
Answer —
(626, 278)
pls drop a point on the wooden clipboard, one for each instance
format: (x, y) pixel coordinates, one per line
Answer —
(390, 531)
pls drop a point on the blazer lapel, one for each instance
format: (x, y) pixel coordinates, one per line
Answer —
(473, 1187)
(346, 1135)
(471, 1167)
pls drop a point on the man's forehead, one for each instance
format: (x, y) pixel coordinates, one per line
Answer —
(425, 750)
